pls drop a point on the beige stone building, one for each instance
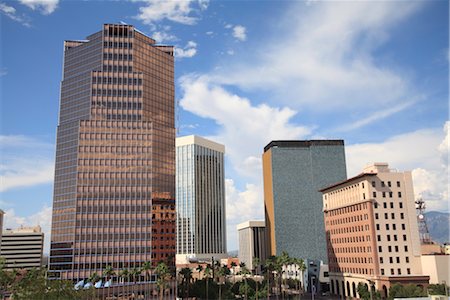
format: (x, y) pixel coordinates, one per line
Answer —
(22, 248)
(371, 231)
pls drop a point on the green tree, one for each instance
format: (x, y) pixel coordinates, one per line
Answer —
(269, 265)
(222, 272)
(244, 272)
(108, 272)
(233, 266)
(438, 289)
(146, 268)
(163, 273)
(186, 274)
(206, 274)
(406, 291)
(199, 269)
(300, 263)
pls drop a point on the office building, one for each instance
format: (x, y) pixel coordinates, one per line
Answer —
(200, 194)
(252, 243)
(114, 191)
(294, 172)
(2, 213)
(372, 233)
(22, 248)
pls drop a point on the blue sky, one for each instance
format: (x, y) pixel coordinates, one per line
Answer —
(372, 73)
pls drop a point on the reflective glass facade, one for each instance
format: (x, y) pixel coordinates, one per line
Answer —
(114, 193)
(200, 192)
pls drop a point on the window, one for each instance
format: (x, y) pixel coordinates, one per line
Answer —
(390, 194)
(407, 259)
(379, 238)
(375, 204)
(399, 194)
(376, 216)
(406, 248)
(382, 184)
(385, 216)
(362, 184)
(384, 194)
(402, 216)
(373, 183)
(408, 271)
(374, 194)
(378, 226)
(392, 271)
(403, 227)
(395, 237)
(384, 205)
(382, 271)
(389, 184)
(389, 248)
(399, 271)
(396, 248)
(394, 227)
(392, 204)
(404, 237)
(380, 249)
(391, 260)
(392, 216)
(387, 226)
(388, 237)
(398, 183)
(400, 205)
(397, 259)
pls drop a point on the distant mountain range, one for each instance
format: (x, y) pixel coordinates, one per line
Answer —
(438, 226)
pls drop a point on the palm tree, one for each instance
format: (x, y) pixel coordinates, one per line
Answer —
(108, 272)
(94, 278)
(124, 275)
(244, 272)
(146, 267)
(282, 260)
(163, 273)
(187, 276)
(199, 270)
(206, 274)
(256, 263)
(222, 272)
(233, 266)
(270, 267)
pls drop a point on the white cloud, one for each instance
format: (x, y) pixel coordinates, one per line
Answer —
(46, 7)
(241, 206)
(230, 52)
(325, 61)
(244, 129)
(11, 13)
(209, 33)
(162, 36)
(179, 11)
(188, 51)
(25, 162)
(423, 152)
(239, 32)
(42, 218)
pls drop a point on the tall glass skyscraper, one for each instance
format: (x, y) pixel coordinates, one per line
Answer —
(200, 192)
(114, 193)
(294, 172)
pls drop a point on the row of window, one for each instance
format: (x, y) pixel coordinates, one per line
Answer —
(352, 270)
(357, 228)
(124, 117)
(118, 31)
(118, 45)
(391, 204)
(114, 136)
(351, 219)
(116, 80)
(351, 260)
(388, 238)
(399, 194)
(352, 239)
(115, 162)
(124, 69)
(394, 227)
(399, 271)
(383, 184)
(115, 149)
(348, 209)
(117, 93)
(360, 249)
(386, 216)
(397, 260)
(396, 248)
(115, 125)
(117, 56)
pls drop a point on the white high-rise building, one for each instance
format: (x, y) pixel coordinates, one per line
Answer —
(200, 199)
(252, 242)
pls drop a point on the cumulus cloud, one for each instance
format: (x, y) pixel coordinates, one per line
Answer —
(46, 7)
(11, 13)
(25, 162)
(179, 11)
(325, 61)
(240, 33)
(187, 51)
(244, 128)
(242, 206)
(162, 36)
(42, 218)
(423, 152)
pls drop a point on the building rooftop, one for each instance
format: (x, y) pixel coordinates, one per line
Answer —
(249, 224)
(197, 140)
(302, 144)
(36, 229)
